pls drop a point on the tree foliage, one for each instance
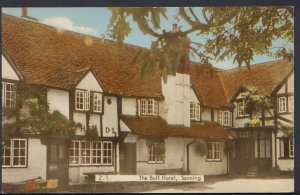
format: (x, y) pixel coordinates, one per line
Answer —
(229, 32)
(32, 115)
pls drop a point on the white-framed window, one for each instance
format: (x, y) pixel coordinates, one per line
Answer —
(85, 152)
(287, 148)
(8, 94)
(87, 100)
(91, 153)
(156, 152)
(97, 102)
(107, 153)
(195, 111)
(14, 154)
(282, 104)
(225, 118)
(74, 153)
(213, 151)
(96, 153)
(84, 98)
(291, 103)
(291, 147)
(241, 112)
(149, 107)
(79, 99)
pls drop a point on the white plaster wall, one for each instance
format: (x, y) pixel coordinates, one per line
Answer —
(174, 156)
(36, 165)
(286, 164)
(199, 165)
(58, 100)
(206, 114)
(80, 118)
(193, 97)
(7, 71)
(291, 83)
(175, 108)
(110, 117)
(89, 82)
(129, 106)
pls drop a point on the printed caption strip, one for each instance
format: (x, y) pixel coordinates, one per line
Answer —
(146, 178)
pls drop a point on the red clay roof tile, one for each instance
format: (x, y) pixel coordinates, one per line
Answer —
(156, 126)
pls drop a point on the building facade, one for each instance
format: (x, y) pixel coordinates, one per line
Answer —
(184, 124)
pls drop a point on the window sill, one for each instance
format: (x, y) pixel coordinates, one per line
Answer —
(283, 113)
(286, 158)
(215, 160)
(156, 162)
(242, 117)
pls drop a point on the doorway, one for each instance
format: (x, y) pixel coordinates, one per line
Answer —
(58, 161)
(128, 158)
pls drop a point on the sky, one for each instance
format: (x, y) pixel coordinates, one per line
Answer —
(94, 21)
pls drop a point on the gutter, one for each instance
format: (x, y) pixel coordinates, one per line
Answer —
(188, 155)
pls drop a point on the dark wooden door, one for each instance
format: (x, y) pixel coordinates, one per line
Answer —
(58, 162)
(128, 158)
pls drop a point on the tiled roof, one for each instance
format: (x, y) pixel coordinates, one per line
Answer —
(48, 56)
(156, 126)
(52, 57)
(265, 77)
(208, 84)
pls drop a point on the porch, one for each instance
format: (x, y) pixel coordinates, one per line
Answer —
(253, 150)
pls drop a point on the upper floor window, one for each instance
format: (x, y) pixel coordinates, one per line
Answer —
(241, 112)
(225, 118)
(8, 94)
(213, 151)
(282, 105)
(194, 111)
(156, 151)
(83, 101)
(14, 154)
(149, 107)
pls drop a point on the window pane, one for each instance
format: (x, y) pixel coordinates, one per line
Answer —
(97, 103)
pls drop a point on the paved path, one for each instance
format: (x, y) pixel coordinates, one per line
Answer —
(234, 185)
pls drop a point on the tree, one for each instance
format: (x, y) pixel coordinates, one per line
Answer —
(231, 32)
(32, 115)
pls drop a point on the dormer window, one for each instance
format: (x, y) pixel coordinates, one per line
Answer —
(149, 107)
(195, 111)
(225, 118)
(241, 109)
(83, 100)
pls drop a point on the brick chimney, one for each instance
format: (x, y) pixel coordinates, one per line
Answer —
(26, 15)
(24, 12)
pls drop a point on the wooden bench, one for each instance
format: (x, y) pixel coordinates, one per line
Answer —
(177, 171)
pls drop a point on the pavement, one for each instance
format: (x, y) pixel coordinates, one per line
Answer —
(232, 186)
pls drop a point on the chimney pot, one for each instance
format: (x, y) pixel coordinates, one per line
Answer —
(175, 28)
(24, 12)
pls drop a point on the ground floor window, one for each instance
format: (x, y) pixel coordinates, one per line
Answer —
(91, 153)
(287, 148)
(14, 153)
(156, 151)
(213, 151)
